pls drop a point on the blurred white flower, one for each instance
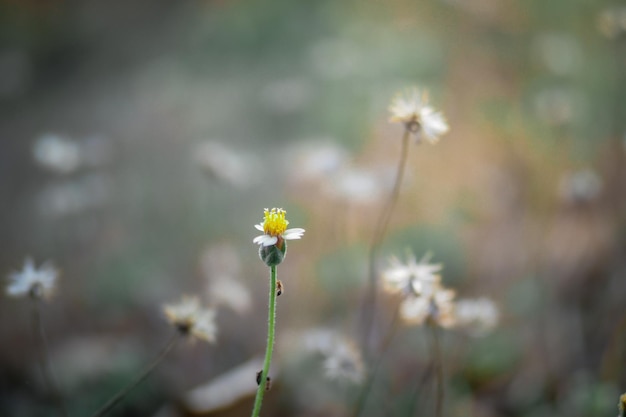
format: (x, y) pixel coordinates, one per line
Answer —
(226, 389)
(74, 196)
(225, 164)
(356, 185)
(220, 260)
(221, 267)
(341, 359)
(612, 21)
(558, 52)
(57, 153)
(580, 186)
(344, 363)
(411, 108)
(287, 96)
(230, 293)
(314, 160)
(479, 315)
(411, 278)
(190, 318)
(436, 308)
(558, 106)
(38, 283)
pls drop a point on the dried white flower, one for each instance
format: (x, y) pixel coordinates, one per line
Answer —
(411, 108)
(411, 278)
(480, 315)
(190, 318)
(436, 307)
(38, 283)
(344, 363)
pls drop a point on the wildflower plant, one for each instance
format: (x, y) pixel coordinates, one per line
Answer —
(272, 250)
(38, 284)
(189, 319)
(420, 120)
(411, 108)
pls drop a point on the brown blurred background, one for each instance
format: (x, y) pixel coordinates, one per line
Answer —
(140, 142)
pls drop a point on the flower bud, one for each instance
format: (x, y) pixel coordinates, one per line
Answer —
(274, 254)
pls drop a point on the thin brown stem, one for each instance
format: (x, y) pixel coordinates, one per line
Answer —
(44, 356)
(139, 378)
(369, 305)
(438, 365)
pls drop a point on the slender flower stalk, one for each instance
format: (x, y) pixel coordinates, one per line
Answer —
(44, 360)
(272, 251)
(371, 378)
(108, 406)
(271, 332)
(422, 122)
(189, 320)
(369, 306)
(438, 364)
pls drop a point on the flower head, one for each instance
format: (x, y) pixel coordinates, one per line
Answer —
(436, 308)
(411, 108)
(344, 363)
(274, 227)
(190, 318)
(479, 315)
(411, 278)
(31, 281)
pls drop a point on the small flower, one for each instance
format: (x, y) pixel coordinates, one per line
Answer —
(275, 230)
(479, 315)
(190, 318)
(38, 283)
(622, 405)
(413, 278)
(412, 109)
(344, 363)
(436, 308)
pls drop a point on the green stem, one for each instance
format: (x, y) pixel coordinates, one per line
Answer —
(142, 376)
(271, 326)
(369, 306)
(44, 359)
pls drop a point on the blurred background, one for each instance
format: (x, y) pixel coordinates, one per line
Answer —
(140, 142)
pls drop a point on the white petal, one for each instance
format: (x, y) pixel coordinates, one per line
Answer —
(259, 226)
(291, 234)
(433, 124)
(265, 240)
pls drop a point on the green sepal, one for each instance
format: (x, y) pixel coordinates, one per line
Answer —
(273, 255)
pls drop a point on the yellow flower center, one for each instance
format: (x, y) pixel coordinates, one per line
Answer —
(275, 223)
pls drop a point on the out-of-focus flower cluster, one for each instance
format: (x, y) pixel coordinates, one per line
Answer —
(425, 300)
